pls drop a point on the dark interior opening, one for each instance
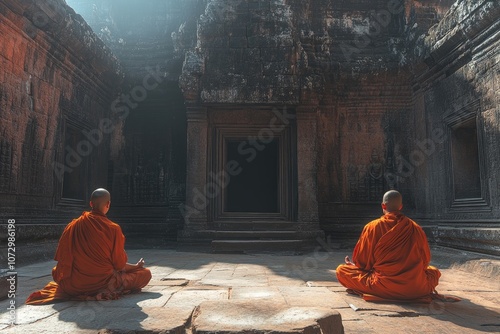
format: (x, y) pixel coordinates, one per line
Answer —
(73, 177)
(465, 160)
(255, 189)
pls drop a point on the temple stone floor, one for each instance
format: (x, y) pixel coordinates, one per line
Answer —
(263, 293)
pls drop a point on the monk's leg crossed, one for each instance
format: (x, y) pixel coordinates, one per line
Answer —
(136, 279)
(353, 278)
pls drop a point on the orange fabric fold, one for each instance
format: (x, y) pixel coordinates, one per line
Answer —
(90, 257)
(391, 262)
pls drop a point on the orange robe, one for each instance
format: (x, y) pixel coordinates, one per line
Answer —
(391, 262)
(90, 257)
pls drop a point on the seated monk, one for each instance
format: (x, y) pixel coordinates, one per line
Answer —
(391, 259)
(91, 260)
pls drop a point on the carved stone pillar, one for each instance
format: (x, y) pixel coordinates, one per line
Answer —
(195, 213)
(307, 165)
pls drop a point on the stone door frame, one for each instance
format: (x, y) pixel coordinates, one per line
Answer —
(201, 120)
(218, 162)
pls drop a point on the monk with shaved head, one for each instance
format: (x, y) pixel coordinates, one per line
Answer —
(91, 260)
(391, 259)
(100, 200)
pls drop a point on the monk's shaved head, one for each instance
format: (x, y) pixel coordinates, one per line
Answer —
(393, 200)
(99, 198)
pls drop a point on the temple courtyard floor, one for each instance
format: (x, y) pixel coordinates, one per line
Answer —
(194, 292)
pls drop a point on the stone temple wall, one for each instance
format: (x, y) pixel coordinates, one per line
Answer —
(377, 79)
(288, 52)
(456, 86)
(379, 76)
(344, 62)
(56, 81)
(347, 63)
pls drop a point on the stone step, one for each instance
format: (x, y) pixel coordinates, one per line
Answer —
(256, 226)
(256, 246)
(255, 235)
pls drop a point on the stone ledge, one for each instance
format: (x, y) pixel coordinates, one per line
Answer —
(483, 240)
(470, 262)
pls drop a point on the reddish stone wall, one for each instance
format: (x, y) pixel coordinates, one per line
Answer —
(53, 72)
(360, 139)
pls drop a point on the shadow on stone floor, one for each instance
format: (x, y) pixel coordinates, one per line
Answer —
(124, 313)
(447, 317)
(467, 314)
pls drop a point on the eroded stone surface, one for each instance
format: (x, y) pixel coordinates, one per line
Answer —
(264, 317)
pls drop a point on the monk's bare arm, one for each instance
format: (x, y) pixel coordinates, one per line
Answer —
(131, 267)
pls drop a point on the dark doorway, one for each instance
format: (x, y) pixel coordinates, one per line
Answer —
(465, 159)
(255, 189)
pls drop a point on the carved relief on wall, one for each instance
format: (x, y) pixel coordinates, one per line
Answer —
(31, 160)
(367, 167)
(390, 163)
(146, 180)
(366, 182)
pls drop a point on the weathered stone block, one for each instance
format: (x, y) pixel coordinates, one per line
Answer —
(259, 317)
(237, 29)
(259, 41)
(482, 240)
(278, 68)
(238, 42)
(258, 5)
(251, 55)
(207, 30)
(214, 42)
(244, 67)
(276, 54)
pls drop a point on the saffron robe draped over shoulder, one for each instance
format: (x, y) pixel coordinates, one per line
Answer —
(90, 257)
(391, 262)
